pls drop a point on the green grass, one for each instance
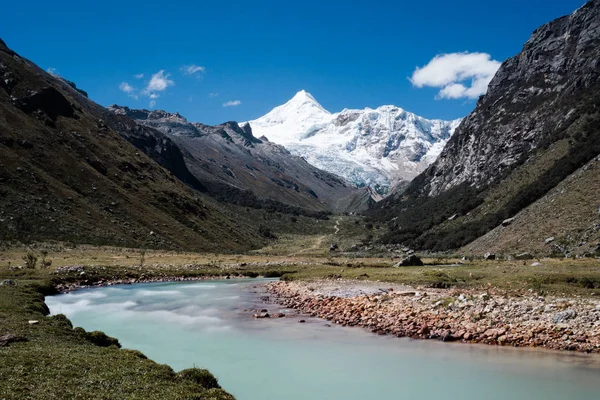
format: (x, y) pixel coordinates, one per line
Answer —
(569, 277)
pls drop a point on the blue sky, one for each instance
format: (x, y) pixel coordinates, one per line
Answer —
(348, 54)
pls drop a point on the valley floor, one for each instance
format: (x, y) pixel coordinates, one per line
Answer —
(552, 303)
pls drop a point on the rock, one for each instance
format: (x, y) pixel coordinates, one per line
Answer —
(508, 221)
(262, 315)
(301, 321)
(489, 256)
(410, 261)
(564, 316)
(524, 256)
(9, 338)
(8, 282)
(549, 240)
(536, 264)
(33, 322)
(333, 247)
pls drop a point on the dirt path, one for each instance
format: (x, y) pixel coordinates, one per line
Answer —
(337, 226)
(319, 242)
(314, 246)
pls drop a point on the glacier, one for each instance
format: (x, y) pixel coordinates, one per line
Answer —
(380, 148)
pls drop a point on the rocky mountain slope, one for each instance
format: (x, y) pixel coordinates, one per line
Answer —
(231, 155)
(72, 171)
(377, 148)
(538, 124)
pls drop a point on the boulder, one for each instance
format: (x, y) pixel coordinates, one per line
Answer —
(9, 338)
(508, 221)
(489, 256)
(524, 256)
(410, 261)
(8, 282)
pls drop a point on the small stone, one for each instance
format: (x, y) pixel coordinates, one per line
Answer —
(564, 316)
(549, 240)
(33, 322)
(489, 256)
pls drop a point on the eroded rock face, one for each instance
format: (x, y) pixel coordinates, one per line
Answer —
(533, 96)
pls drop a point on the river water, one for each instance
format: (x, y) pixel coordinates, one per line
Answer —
(207, 324)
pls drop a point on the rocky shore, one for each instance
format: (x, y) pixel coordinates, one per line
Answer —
(85, 280)
(449, 314)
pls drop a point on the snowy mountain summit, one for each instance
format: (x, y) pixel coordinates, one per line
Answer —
(378, 148)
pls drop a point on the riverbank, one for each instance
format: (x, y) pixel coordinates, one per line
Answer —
(46, 357)
(469, 316)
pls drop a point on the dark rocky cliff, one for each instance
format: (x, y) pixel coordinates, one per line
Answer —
(538, 123)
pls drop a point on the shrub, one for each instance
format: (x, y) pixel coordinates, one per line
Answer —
(30, 260)
(266, 232)
(102, 339)
(45, 263)
(135, 353)
(61, 319)
(200, 376)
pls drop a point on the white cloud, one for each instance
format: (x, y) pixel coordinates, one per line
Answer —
(213, 94)
(232, 103)
(138, 76)
(458, 75)
(152, 103)
(154, 96)
(130, 90)
(192, 69)
(159, 82)
(126, 87)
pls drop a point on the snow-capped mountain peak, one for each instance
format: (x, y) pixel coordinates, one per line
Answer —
(289, 122)
(371, 147)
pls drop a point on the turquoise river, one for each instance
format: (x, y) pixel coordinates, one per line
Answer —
(209, 324)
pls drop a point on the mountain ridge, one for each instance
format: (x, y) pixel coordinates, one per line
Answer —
(70, 171)
(229, 154)
(380, 148)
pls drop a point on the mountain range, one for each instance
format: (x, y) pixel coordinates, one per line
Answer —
(521, 173)
(230, 159)
(377, 148)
